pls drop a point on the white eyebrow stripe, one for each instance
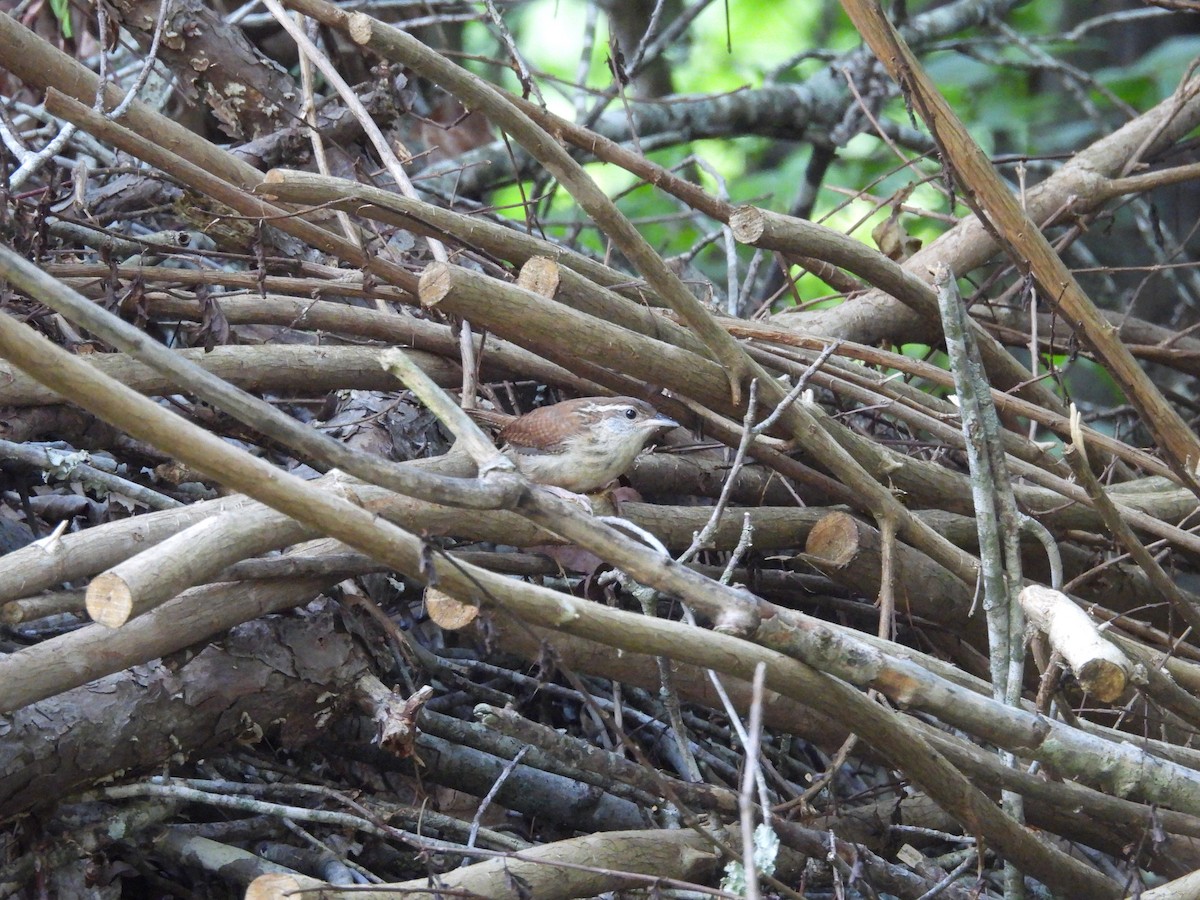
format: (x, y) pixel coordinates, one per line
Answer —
(605, 407)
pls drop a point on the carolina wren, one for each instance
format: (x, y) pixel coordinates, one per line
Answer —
(578, 445)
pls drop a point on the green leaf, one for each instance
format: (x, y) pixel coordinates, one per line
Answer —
(1156, 75)
(62, 12)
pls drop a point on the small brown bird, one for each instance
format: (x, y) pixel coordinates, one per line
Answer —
(578, 445)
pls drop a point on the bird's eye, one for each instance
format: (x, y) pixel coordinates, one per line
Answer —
(631, 413)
